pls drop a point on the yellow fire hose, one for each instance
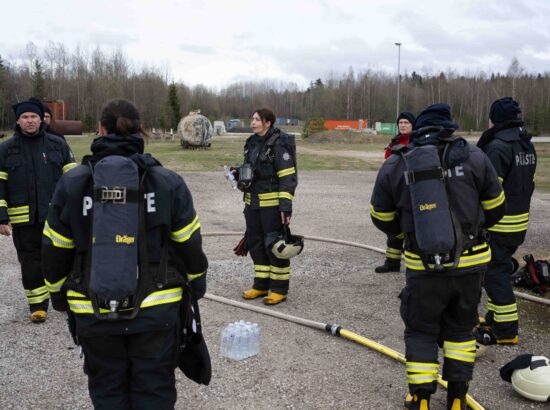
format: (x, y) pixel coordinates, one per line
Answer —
(335, 330)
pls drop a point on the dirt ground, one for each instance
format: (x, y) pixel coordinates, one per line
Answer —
(297, 367)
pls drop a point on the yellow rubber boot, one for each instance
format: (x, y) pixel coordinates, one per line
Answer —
(253, 293)
(274, 299)
(414, 402)
(39, 316)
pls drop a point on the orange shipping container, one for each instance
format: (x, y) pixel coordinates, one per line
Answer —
(345, 124)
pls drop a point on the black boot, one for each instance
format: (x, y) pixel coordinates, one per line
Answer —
(456, 395)
(390, 265)
(419, 400)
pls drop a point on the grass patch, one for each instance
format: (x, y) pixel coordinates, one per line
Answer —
(322, 155)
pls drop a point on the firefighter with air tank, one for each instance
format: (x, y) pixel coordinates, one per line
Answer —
(441, 194)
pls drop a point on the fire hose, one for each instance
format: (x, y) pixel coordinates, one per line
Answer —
(330, 328)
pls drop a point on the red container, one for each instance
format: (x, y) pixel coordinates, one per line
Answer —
(345, 124)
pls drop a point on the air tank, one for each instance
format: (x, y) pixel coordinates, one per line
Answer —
(195, 131)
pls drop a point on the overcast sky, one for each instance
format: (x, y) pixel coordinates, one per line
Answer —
(219, 42)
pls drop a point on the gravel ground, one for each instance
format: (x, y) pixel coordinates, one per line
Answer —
(298, 367)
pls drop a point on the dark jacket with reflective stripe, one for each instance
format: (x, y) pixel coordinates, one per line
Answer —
(170, 218)
(275, 174)
(30, 167)
(514, 158)
(477, 193)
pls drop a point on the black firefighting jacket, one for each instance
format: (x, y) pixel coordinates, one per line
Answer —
(477, 195)
(171, 221)
(275, 177)
(511, 152)
(30, 167)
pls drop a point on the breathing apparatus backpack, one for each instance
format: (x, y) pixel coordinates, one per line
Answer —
(437, 231)
(535, 275)
(118, 266)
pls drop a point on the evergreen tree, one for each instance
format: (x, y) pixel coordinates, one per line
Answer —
(38, 85)
(174, 109)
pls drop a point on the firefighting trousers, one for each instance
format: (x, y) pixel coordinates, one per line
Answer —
(394, 248)
(439, 311)
(131, 371)
(28, 244)
(271, 273)
(502, 310)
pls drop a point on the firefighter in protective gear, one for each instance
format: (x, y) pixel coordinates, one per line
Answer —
(268, 204)
(440, 307)
(509, 147)
(129, 363)
(394, 244)
(31, 163)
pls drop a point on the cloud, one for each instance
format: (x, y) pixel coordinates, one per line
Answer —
(198, 49)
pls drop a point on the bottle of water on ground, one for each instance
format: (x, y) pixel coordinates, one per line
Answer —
(240, 340)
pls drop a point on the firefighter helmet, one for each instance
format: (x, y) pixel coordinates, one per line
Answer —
(533, 381)
(286, 245)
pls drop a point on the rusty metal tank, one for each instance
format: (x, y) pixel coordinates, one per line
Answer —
(195, 131)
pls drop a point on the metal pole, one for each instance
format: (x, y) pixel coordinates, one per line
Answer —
(398, 75)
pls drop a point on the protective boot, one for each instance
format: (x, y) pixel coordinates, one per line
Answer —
(274, 299)
(420, 400)
(253, 293)
(39, 316)
(456, 395)
(390, 265)
(486, 336)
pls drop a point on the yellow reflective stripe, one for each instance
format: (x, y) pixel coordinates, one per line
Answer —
(478, 259)
(275, 269)
(4, 175)
(515, 218)
(513, 317)
(193, 276)
(262, 271)
(502, 308)
(383, 216)
(414, 262)
(185, 233)
(462, 356)
(392, 253)
(268, 195)
(18, 210)
(279, 276)
(509, 228)
(286, 195)
(37, 295)
(3, 203)
(55, 287)
(162, 297)
(75, 294)
(493, 203)
(419, 367)
(58, 240)
(401, 235)
(69, 166)
(285, 172)
(80, 306)
(467, 345)
(19, 219)
(501, 179)
(273, 202)
(420, 378)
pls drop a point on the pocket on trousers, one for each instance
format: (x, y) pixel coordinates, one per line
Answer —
(403, 309)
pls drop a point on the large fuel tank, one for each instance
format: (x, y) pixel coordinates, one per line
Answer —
(68, 127)
(195, 131)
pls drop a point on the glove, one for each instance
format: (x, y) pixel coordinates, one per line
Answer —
(242, 247)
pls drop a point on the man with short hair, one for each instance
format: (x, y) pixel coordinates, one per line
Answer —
(509, 147)
(48, 119)
(31, 163)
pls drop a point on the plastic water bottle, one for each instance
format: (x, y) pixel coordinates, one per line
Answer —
(240, 340)
(230, 177)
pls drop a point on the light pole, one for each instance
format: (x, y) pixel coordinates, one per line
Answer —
(398, 76)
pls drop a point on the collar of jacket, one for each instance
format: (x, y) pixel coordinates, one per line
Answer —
(117, 145)
(514, 129)
(430, 135)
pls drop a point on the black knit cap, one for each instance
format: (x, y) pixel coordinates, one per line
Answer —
(45, 107)
(436, 115)
(31, 105)
(406, 115)
(504, 109)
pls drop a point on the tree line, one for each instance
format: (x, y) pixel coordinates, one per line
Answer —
(85, 80)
